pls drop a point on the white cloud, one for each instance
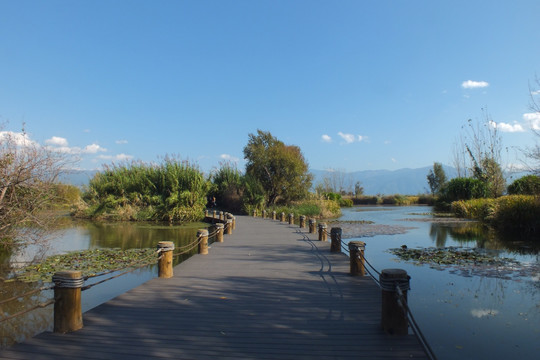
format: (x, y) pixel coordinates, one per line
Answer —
(121, 141)
(19, 139)
(350, 138)
(119, 157)
(228, 157)
(57, 141)
(504, 127)
(536, 92)
(533, 119)
(393, 160)
(93, 149)
(326, 138)
(471, 84)
(480, 313)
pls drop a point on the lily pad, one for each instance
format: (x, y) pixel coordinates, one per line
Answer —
(89, 262)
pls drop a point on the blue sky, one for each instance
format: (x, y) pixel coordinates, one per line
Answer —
(357, 85)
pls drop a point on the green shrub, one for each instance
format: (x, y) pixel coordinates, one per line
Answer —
(518, 214)
(527, 185)
(463, 189)
(174, 191)
(478, 209)
(366, 200)
(345, 202)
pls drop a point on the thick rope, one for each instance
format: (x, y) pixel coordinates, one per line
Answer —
(38, 306)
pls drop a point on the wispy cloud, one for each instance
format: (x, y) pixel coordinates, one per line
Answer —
(119, 157)
(471, 84)
(533, 120)
(121, 141)
(393, 160)
(504, 127)
(93, 149)
(350, 138)
(326, 138)
(228, 157)
(19, 139)
(57, 141)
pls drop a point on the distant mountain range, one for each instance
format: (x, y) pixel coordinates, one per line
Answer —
(386, 182)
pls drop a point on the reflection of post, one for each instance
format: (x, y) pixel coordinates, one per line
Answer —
(393, 317)
(67, 301)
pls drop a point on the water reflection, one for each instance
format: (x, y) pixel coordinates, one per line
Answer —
(80, 235)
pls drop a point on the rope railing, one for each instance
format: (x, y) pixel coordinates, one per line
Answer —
(390, 281)
(76, 282)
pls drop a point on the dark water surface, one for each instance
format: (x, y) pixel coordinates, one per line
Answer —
(464, 312)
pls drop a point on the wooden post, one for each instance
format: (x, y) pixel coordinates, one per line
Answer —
(302, 221)
(282, 218)
(229, 227)
(335, 237)
(221, 215)
(312, 225)
(273, 215)
(291, 219)
(322, 232)
(206, 213)
(214, 214)
(264, 214)
(356, 254)
(67, 301)
(165, 268)
(219, 234)
(233, 219)
(202, 235)
(254, 212)
(393, 317)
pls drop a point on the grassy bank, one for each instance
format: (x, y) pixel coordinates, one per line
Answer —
(321, 209)
(518, 214)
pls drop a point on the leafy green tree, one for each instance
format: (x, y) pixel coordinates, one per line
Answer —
(436, 178)
(526, 185)
(281, 169)
(228, 187)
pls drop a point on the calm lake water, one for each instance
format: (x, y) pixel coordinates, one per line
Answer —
(465, 313)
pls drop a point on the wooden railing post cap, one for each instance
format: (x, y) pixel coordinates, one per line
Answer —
(220, 225)
(356, 244)
(302, 217)
(394, 274)
(202, 232)
(167, 245)
(323, 225)
(336, 230)
(67, 275)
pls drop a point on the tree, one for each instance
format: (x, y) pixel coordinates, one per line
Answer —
(478, 154)
(28, 185)
(534, 153)
(281, 169)
(436, 178)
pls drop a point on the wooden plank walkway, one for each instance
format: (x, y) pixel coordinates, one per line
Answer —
(270, 291)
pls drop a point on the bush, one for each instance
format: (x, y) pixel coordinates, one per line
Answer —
(516, 214)
(346, 203)
(366, 200)
(174, 191)
(527, 185)
(463, 189)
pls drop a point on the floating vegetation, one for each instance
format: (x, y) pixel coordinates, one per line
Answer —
(466, 262)
(355, 229)
(89, 262)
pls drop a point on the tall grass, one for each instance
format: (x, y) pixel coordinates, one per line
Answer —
(173, 191)
(517, 214)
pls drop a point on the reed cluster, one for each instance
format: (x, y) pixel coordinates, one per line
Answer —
(173, 191)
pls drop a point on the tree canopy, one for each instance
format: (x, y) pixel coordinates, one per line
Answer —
(281, 169)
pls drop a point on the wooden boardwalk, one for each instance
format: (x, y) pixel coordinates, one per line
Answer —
(270, 291)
